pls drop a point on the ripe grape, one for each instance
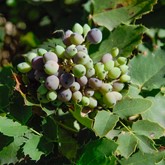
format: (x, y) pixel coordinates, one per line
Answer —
(85, 101)
(75, 86)
(51, 67)
(70, 51)
(64, 95)
(59, 50)
(76, 38)
(95, 83)
(77, 28)
(89, 92)
(52, 82)
(37, 63)
(66, 80)
(24, 67)
(106, 58)
(50, 56)
(92, 102)
(79, 70)
(94, 36)
(41, 51)
(51, 95)
(82, 80)
(125, 78)
(114, 73)
(77, 96)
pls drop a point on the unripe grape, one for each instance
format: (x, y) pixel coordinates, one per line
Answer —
(52, 82)
(24, 67)
(75, 86)
(115, 51)
(42, 90)
(89, 64)
(117, 95)
(51, 67)
(90, 72)
(122, 60)
(116, 63)
(94, 36)
(42, 98)
(89, 92)
(79, 70)
(77, 96)
(125, 78)
(118, 86)
(66, 37)
(102, 75)
(65, 95)
(109, 65)
(86, 29)
(70, 51)
(37, 63)
(98, 95)
(82, 80)
(114, 73)
(95, 83)
(85, 101)
(77, 28)
(41, 51)
(82, 48)
(59, 50)
(81, 58)
(51, 95)
(66, 80)
(106, 58)
(50, 56)
(92, 102)
(109, 99)
(29, 56)
(76, 38)
(124, 68)
(105, 87)
(99, 67)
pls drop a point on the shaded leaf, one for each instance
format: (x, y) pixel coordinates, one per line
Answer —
(104, 122)
(5, 140)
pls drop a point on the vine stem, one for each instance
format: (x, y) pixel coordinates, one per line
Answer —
(35, 131)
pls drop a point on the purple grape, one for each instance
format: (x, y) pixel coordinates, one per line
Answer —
(66, 80)
(50, 56)
(65, 95)
(66, 38)
(39, 75)
(52, 82)
(37, 63)
(82, 80)
(106, 57)
(95, 83)
(94, 36)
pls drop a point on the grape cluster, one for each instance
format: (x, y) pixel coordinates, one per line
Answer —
(68, 74)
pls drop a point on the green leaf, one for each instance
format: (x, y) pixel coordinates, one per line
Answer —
(127, 144)
(162, 162)
(125, 37)
(104, 122)
(98, 152)
(31, 148)
(131, 106)
(11, 128)
(147, 71)
(147, 128)
(156, 112)
(115, 12)
(5, 140)
(82, 119)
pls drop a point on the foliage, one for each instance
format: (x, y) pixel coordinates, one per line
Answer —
(129, 133)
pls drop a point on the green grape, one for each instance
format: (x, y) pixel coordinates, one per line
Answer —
(94, 36)
(106, 58)
(42, 90)
(90, 72)
(109, 99)
(117, 64)
(105, 87)
(85, 101)
(89, 92)
(82, 80)
(24, 67)
(115, 51)
(75, 86)
(118, 86)
(102, 75)
(77, 28)
(124, 68)
(81, 58)
(92, 102)
(77, 96)
(122, 60)
(70, 51)
(51, 95)
(42, 98)
(51, 67)
(89, 64)
(114, 73)
(117, 95)
(94, 83)
(79, 70)
(82, 48)
(109, 65)
(99, 67)
(86, 29)
(29, 56)
(125, 78)
(76, 39)
(41, 51)
(59, 50)
(50, 56)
